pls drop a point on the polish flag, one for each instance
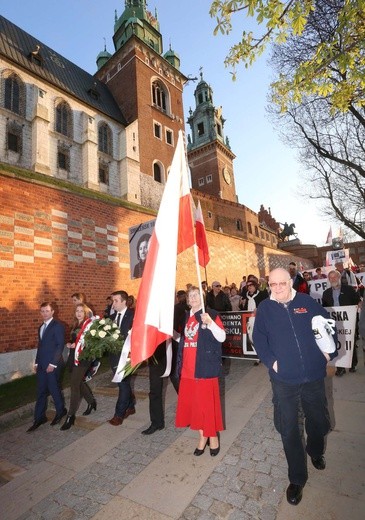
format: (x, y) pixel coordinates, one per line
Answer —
(329, 236)
(173, 233)
(201, 237)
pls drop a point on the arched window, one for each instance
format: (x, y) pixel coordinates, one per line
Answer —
(239, 224)
(157, 172)
(249, 227)
(64, 119)
(105, 139)
(159, 96)
(14, 94)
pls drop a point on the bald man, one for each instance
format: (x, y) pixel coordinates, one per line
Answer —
(285, 343)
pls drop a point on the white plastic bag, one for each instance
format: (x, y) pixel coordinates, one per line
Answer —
(324, 329)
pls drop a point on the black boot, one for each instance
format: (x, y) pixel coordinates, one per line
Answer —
(90, 407)
(70, 420)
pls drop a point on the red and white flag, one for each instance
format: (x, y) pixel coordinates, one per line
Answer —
(201, 237)
(329, 236)
(173, 233)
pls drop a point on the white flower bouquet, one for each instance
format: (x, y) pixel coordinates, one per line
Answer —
(102, 337)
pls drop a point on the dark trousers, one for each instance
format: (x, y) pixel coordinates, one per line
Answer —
(79, 388)
(288, 401)
(156, 384)
(125, 397)
(48, 383)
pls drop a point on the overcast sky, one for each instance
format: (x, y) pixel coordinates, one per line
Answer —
(266, 171)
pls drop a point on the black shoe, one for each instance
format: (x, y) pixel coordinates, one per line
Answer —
(152, 429)
(37, 424)
(352, 369)
(70, 420)
(319, 463)
(294, 494)
(340, 371)
(90, 407)
(58, 418)
(214, 451)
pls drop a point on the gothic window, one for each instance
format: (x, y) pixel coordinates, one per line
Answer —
(249, 227)
(157, 172)
(103, 172)
(64, 119)
(159, 96)
(200, 98)
(14, 137)
(14, 94)
(105, 139)
(63, 157)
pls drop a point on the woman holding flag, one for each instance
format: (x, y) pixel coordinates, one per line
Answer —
(199, 363)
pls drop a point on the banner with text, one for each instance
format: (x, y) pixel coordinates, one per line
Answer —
(345, 318)
(239, 326)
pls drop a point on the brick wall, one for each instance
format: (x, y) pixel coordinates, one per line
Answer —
(56, 241)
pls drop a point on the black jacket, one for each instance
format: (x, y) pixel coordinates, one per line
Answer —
(348, 296)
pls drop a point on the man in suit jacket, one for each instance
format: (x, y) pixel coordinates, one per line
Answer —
(123, 317)
(339, 295)
(48, 364)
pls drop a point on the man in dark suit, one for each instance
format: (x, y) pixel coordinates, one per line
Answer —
(48, 364)
(339, 295)
(123, 317)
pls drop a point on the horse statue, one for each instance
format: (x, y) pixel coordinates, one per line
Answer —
(288, 230)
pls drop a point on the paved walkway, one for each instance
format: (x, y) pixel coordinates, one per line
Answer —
(100, 472)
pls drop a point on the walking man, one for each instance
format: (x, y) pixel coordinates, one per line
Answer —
(285, 343)
(47, 366)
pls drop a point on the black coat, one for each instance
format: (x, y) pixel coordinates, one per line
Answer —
(348, 296)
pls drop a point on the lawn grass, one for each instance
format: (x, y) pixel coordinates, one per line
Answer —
(22, 391)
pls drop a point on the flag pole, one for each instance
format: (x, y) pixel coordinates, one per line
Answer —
(199, 276)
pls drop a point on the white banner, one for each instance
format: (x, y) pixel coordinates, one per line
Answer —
(341, 255)
(316, 289)
(345, 318)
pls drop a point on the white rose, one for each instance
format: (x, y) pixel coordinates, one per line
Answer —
(107, 327)
(115, 326)
(93, 332)
(115, 336)
(102, 333)
(101, 322)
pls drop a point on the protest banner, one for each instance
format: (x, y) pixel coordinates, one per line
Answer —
(345, 318)
(238, 343)
(316, 289)
(139, 238)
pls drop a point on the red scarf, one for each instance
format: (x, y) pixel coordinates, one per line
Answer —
(79, 343)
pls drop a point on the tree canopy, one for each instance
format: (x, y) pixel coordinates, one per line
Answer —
(341, 52)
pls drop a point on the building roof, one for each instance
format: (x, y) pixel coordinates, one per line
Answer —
(40, 60)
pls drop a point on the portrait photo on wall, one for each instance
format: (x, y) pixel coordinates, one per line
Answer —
(139, 239)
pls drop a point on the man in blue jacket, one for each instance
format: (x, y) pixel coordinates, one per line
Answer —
(285, 343)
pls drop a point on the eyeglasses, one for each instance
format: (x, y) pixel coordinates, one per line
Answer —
(273, 285)
(217, 286)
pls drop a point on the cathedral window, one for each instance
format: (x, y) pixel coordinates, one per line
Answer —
(105, 139)
(157, 172)
(157, 130)
(103, 172)
(63, 157)
(169, 137)
(159, 96)
(14, 137)
(64, 119)
(200, 129)
(14, 94)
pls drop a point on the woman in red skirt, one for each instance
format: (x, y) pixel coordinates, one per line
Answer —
(199, 363)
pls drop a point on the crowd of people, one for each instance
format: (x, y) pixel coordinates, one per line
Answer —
(282, 335)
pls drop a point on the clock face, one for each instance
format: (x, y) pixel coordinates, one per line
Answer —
(226, 175)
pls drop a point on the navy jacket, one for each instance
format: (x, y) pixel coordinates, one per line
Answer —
(209, 351)
(50, 347)
(125, 326)
(283, 333)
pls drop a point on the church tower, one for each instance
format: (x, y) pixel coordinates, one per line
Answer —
(147, 86)
(209, 154)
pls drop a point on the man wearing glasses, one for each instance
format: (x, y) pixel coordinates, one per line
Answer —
(285, 343)
(217, 299)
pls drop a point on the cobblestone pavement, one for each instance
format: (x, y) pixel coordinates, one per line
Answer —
(247, 482)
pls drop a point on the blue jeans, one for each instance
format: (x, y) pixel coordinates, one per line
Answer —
(288, 401)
